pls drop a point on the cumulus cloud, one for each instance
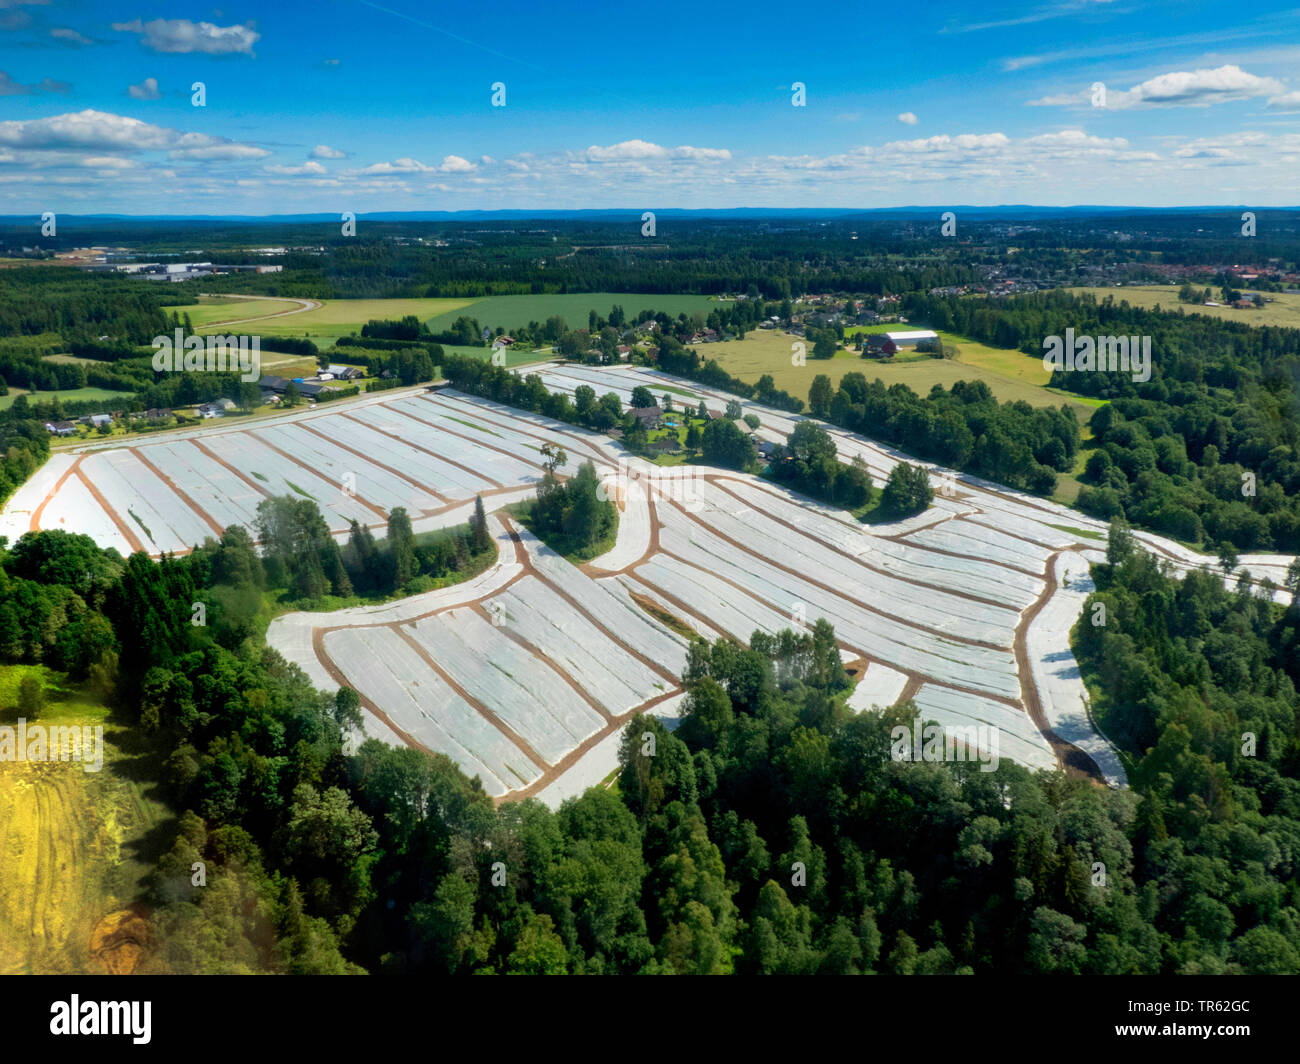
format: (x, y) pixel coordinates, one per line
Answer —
(397, 166)
(324, 151)
(146, 90)
(1183, 88)
(908, 119)
(641, 150)
(1289, 101)
(179, 35)
(454, 164)
(10, 87)
(307, 168)
(102, 131)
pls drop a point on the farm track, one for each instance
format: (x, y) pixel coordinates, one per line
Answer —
(1072, 759)
(303, 305)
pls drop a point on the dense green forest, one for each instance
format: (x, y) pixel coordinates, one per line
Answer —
(771, 832)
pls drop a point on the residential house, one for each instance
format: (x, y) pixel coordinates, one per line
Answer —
(649, 416)
(61, 428)
(666, 445)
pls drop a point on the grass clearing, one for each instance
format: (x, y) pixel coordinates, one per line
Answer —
(1086, 533)
(769, 351)
(76, 844)
(72, 395)
(1284, 311)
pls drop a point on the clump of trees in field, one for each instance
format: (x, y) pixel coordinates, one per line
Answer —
(807, 462)
(573, 516)
(300, 557)
(907, 491)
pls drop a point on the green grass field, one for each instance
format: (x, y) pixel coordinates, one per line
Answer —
(510, 312)
(325, 324)
(1010, 376)
(215, 310)
(1283, 311)
(70, 396)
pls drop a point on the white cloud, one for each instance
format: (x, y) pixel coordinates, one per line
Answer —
(101, 131)
(1184, 88)
(146, 90)
(454, 164)
(640, 150)
(397, 166)
(324, 151)
(306, 169)
(1289, 101)
(180, 35)
(908, 119)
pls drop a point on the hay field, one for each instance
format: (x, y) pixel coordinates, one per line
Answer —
(75, 844)
(1284, 311)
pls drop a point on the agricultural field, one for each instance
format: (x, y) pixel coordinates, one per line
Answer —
(321, 320)
(71, 395)
(510, 312)
(1010, 375)
(1284, 311)
(75, 843)
(959, 607)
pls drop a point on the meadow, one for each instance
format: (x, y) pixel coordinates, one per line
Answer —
(76, 844)
(1284, 311)
(1010, 375)
(510, 312)
(72, 395)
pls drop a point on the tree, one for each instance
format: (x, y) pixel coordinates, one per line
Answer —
(734, 409)
(642, 397)
(401, 549)
(820, 395)
(694, 436)
(480, 537)
(31, 697)
(907, 490)
(722, 443)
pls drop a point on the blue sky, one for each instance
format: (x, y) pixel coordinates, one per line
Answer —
(350, 105)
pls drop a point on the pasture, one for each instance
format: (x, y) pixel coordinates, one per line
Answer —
(1010, 375)
(1284, 311)
(510, 312)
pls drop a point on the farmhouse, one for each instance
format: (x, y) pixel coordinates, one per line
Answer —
(217, 408)
(649, 416)
(61, 428)
(96, 420)
(503, 342)
(343, 373)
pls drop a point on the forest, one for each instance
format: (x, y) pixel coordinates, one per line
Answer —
(1206, 450)
(770, 832)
